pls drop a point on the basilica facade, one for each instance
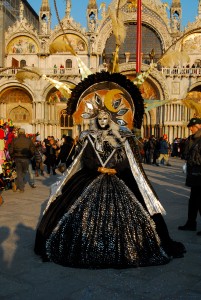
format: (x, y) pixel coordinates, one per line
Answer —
(38, 106)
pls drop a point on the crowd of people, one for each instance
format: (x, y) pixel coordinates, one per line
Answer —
(53, 154)
(24, 156)
(157, 151)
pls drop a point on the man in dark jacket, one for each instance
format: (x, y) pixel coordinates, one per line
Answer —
(164, 148)
(193, 173)
(21, 149)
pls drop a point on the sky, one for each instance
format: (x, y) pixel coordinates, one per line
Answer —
(78, 10)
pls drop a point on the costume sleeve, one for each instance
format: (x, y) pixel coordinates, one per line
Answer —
(135, 150)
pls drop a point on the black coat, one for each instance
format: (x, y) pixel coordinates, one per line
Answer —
(66, 153)
(193, 158)
(22, 147)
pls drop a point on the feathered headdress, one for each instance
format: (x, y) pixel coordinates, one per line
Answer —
(113, 93)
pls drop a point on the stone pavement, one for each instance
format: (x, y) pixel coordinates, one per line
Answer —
(23, 276)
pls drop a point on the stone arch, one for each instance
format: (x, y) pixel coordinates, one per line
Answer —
(22, 44)
(15, 94)
(50, 90)
(78, 43)
(20, 114)
(150, 18)
(195, 86)
(127, 51)
(16, 103)
(154, 79)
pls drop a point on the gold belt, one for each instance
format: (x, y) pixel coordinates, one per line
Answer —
(107, 171)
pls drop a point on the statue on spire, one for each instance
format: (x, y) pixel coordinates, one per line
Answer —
(21, 10)
(68, 8)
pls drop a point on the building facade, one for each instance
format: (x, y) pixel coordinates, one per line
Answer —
(36, 104)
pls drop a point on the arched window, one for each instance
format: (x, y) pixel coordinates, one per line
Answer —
(23, 63)
(68, 64)
(198, 63)
(15, 95)
(20, 114)
(150, 42)
(66, 123)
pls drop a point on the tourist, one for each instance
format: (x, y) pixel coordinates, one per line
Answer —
(21, 150)
(164, 151)
(193, 174)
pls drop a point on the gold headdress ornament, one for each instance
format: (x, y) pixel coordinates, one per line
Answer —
(112, 102)
(112, 93)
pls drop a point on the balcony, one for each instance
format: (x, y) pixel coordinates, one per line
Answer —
(181, 72)
(51, 72)
(74, 72)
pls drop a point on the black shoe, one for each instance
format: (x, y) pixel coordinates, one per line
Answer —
(188, 227)
(157, 165)
(174, 249)
(33, 186)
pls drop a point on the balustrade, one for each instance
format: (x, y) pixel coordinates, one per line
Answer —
(181, 71)
(48, 71)
(75, 71)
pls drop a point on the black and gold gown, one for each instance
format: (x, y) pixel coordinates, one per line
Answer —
(98, 220)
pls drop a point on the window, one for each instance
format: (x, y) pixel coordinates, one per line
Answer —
(150, 40)
(23, 63)
(66, 123)
(68, 64)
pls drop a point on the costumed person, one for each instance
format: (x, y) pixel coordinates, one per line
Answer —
(2, 146)
(104, 212)
(9, 137)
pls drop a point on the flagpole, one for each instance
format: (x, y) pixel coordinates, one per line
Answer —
(139, 37)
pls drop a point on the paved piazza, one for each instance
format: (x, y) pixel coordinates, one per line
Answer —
(23, 276)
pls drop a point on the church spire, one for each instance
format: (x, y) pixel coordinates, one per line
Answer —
(68, 8)
(92, 4)
(45, 17)
(45, 6)
(175, 16)
(92, 15)
(199, 9)
(21, 10)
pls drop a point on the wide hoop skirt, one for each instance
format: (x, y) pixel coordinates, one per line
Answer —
(105, 227)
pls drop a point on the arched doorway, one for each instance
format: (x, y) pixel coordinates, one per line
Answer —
(16, 104)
